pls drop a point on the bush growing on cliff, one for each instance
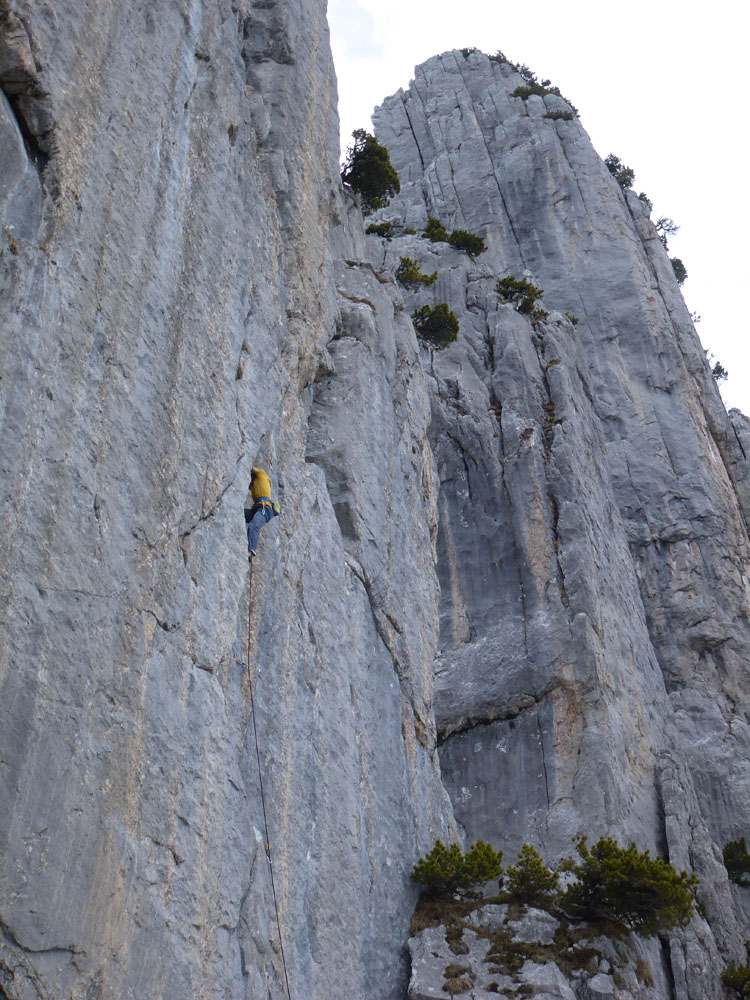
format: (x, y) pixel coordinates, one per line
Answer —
(470, 243)
(436, 326)
(379, 229)
(625, 176)
(736, 858)
(622, 884)
(529, 879)
(368, 171)
(737, 978)
(435, 231)
(518, 291)
(445, 870)
(461, 239)
(409, 275)
(680, 271)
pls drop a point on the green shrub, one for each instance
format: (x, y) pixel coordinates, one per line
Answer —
(467, 52)
(436, 326)
(619, 883)
(482, 863)
(565, 116)
(436, 231)
(539, 315)
(379, 229)
(736, 858)
(573, 319)
(529, 879)
(737, 978)
(519, 291)
(532, 88)
(646, 200)
(622, 174)
(720, 373)
(680, 271)
(470, 243)
(542, 89)
(446, 869)
(368, 171)
(409, 275)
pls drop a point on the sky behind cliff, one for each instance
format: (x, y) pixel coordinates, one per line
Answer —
(658, 84)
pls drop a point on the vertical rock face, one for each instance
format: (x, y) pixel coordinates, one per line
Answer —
(593, 545)
(169, 194)
(186, 291)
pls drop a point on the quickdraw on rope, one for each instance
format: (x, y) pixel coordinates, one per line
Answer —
(267, 843)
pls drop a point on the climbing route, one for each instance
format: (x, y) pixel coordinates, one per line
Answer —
(267, 841)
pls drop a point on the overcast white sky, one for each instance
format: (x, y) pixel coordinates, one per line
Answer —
(660, 83)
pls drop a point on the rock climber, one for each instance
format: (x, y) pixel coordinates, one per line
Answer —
(259, 508)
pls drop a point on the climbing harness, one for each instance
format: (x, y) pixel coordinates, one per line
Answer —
(267, 843)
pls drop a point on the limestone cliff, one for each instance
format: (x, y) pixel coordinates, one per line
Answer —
(171, 316)
(529, 549)
(593, 544)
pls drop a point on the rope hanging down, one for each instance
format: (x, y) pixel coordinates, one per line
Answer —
(260, 782)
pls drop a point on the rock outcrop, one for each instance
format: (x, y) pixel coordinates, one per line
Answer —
(529, 549)
(593, 545)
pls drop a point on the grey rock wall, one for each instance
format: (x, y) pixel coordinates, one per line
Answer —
(508, 581)
(171, 218)
(592, 545)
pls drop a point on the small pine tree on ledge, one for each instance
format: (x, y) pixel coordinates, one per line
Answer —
(369, 172)
(445, 870)
(437, 327)
(409, 275)
(625, 176)
(518, 291)
(737, 978)
(436, 231)
(622, 884)
(736, 858)
(529, 880)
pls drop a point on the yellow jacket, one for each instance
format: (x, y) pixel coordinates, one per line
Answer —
(260, 487)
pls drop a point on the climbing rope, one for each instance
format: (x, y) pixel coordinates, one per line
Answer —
(260, 781)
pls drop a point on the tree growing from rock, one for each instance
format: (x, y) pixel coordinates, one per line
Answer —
(737, 978)
(736, 858)
(518, 291)
(622, 884)
(436, 231)
(470, 243)
(369, 172)
(445, 870)
(437, 326)
(409, 275)
(680, 271)
(625, 176)
(529, 880)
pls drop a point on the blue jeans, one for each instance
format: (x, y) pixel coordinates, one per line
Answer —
(261, 516)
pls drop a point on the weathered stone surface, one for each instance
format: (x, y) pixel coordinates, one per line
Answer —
(593, 541)
(597, 967)
(534, 925)
(172, 317)
(186, 291)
